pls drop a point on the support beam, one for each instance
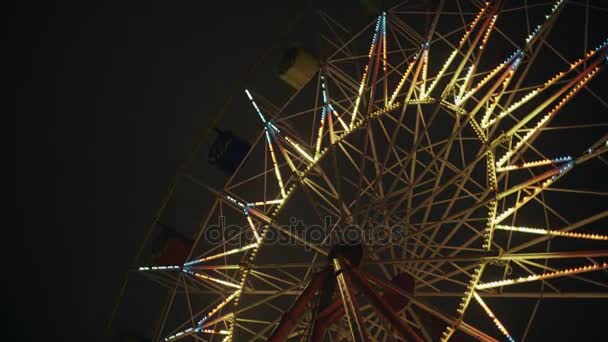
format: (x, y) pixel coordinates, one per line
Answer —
(291, 317)
(351, 308)
(383, 307)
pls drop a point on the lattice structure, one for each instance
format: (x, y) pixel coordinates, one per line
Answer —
(431, 133)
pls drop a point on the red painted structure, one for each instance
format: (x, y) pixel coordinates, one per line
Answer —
(388, 305)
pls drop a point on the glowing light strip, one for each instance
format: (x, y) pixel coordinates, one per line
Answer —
(327, 109)
(536, 163)
(275, 164)
(546, 178)
(384, 110)
(342, 123)
(540, 231)
(453, 107)
(488, 233)
(375, 37)
(215, 332)
(496, 98)
(216, 256)
(469, 292)
(535, 192)
(574, 85)
(215, 280)
(255, 231)
(257, 109)
(199, 327)
(254, 204)
(323, 113)
(487, 33)
(420, 101)
(474, 23)
(288, 159)
(464, 302)
(443, 69)
(273, 127)
(235, 201)
(547, 117)
(529, 41)
(463, 39)
(215, 310)
(260, 215)
(320, 133)
(425, 67)
(365, 71)
(545, 85)
(269, 125)
(493, 317)
(465, 83)
(542, 276)
(512, 107)
(219, 307)
(159, 268)
(532, 36)
(299, 149)
(358, 100)
(513, 59)
(480, 133)
(384, 56)
(446, 334)
(180, 334)
(402, 81)
(324, 91)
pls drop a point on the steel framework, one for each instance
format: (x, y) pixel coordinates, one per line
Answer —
(426, 132)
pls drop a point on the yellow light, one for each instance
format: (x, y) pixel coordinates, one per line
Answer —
(215, 280)
(548, 116)
(465, 82)
(211, 331)
(276, 165)
(514, 106)
(546, 85)
(299, 149)
(472, 25)
(384, 110)
(541, 231)
(216, 256)
(402, 81)
(359, 93)
(342, 123)
(542, 276)
(481, 83)
(255, 231)
(222, 304)
(496, 99)
(487, 33)
(320, 133)
(254, 204)
(425, 67)
(493, 317)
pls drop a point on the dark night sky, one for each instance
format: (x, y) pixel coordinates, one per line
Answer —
(116, 95)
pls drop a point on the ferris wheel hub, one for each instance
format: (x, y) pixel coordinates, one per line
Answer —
(351, 252)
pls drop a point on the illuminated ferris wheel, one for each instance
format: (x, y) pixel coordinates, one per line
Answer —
(437, 186)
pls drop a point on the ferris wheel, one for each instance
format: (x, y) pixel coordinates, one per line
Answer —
(436, 186)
